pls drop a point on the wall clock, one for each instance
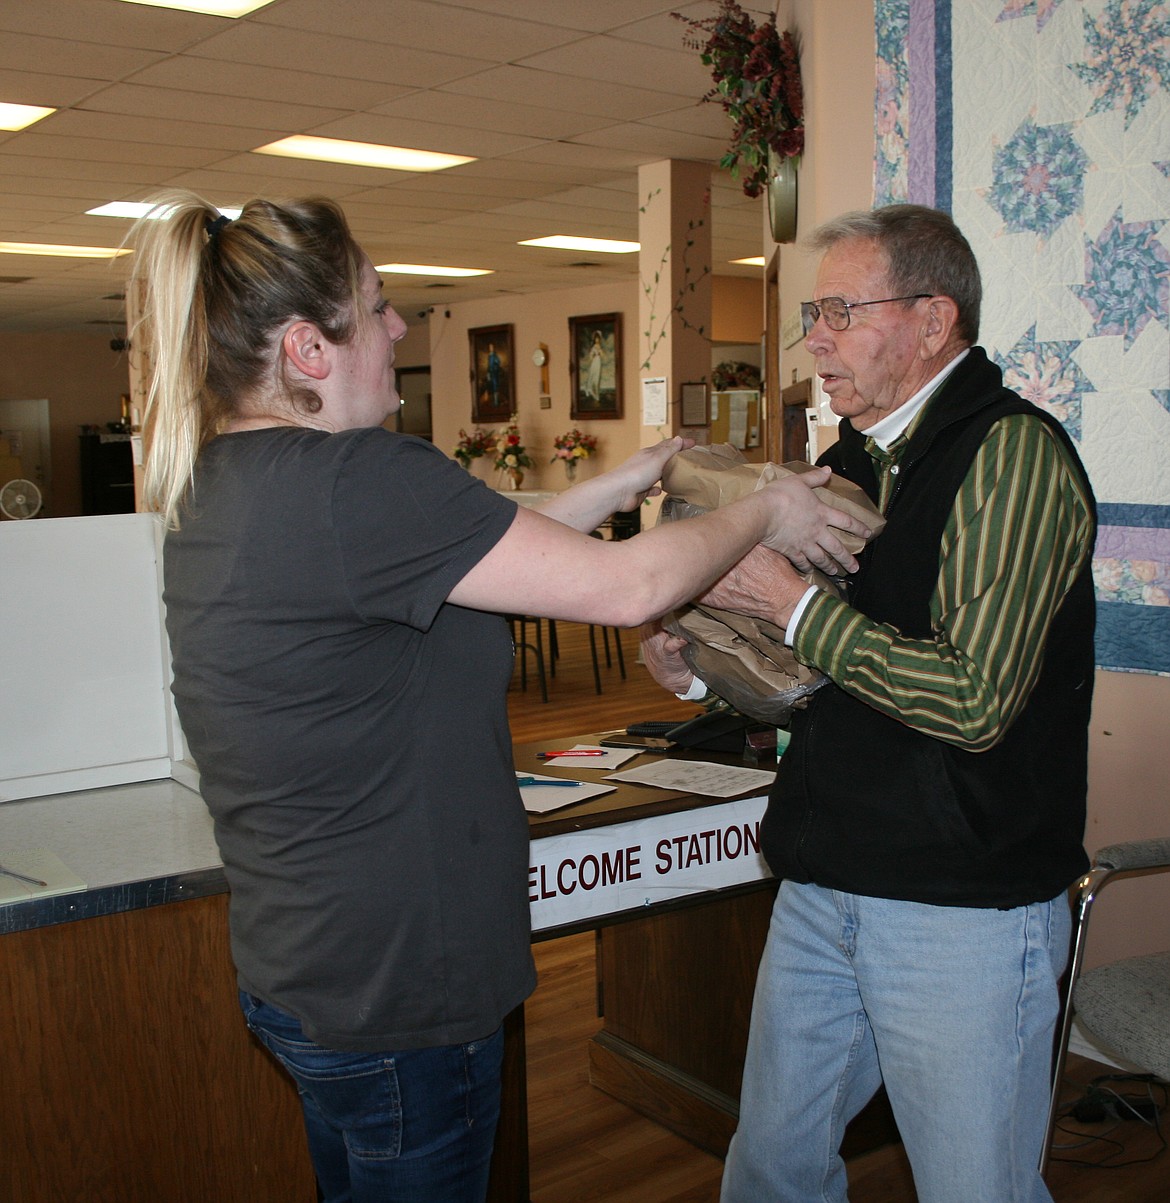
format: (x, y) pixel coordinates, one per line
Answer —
(540, 358)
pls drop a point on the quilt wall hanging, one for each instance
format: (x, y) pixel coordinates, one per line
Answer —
(1043, 127)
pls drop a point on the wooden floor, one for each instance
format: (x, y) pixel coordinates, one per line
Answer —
(584, 1146)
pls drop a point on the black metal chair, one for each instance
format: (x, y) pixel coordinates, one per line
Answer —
(525, 647)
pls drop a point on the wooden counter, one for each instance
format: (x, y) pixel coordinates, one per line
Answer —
(131, 1078)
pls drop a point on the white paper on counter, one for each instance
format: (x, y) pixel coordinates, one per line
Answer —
(44, 866)
(539, 799)
(699, 777)
(610, 758)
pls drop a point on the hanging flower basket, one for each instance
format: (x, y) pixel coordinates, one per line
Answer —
(756, 74)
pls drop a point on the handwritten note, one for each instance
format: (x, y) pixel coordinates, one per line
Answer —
(698, 777)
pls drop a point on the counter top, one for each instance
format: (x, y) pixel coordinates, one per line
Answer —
(152, 842)
(134, 845)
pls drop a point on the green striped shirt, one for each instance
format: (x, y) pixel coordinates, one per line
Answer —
(1020, 531)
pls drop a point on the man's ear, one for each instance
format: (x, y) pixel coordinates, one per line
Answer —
(307, 349)
(941, 316)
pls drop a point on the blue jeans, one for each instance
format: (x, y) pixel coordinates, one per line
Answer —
(415, 1126)
(953, 1008)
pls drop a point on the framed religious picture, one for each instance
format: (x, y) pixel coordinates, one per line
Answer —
(493, 388)
(595, 366)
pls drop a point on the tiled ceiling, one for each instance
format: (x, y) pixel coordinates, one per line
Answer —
(559, 100)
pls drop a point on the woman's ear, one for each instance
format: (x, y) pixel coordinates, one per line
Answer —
(307, 349)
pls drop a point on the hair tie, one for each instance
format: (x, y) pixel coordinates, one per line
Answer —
(214, 225)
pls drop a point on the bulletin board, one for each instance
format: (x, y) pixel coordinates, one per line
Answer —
(735, 418)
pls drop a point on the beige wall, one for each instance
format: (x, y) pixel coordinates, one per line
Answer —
(737, 309)
(83, 380)
(543, 318)
(1129, 799)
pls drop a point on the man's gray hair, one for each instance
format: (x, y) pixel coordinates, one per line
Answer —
(926, 251)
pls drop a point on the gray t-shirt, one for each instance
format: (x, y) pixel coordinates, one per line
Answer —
(351, 732)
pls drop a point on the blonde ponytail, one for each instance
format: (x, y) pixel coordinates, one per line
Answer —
(215, 297)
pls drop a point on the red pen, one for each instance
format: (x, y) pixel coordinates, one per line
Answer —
(571, 752)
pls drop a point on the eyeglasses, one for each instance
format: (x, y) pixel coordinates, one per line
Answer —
(835, 310)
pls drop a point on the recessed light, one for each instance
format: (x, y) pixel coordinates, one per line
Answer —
(361, 154)
(568, 242)
(61, 251)
(751, 261)
(213, 8)
(136, 209)
(20, 116)
(422, 269)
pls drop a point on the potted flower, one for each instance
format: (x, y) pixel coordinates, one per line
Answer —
(756, 74)
(472, 446)
(571, 448)
(510, 454)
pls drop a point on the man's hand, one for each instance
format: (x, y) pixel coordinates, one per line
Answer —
(763, 584)
(662, 654)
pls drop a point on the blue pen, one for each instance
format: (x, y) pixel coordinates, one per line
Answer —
(534, 781)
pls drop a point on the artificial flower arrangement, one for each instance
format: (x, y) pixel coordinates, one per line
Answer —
(756, 71)
(510, 453)
(733, 374)
(574, 446)
(472, 446)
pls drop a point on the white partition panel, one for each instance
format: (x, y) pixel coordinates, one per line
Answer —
(84, 664)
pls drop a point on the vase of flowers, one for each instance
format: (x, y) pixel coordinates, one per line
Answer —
(511, 458)
(473, 446)
(756, 76)
(571, 449)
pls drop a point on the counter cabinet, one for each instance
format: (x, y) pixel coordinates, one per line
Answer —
(131, 1078)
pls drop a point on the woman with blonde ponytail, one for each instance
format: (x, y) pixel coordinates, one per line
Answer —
(333, 594)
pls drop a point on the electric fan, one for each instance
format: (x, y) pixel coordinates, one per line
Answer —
(20, 499)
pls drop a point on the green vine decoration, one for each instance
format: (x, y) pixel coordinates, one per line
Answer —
(650, 291)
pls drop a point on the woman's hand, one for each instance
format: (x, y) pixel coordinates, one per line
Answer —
(637, 478)
(586, 505)
(804, 528)
(662, 654)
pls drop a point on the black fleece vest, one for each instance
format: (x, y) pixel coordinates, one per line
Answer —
(862, 802)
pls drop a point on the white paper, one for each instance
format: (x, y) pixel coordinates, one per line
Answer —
(610, 758)
(654, 408)
(698, 777)
(539, 799)
(38, 863)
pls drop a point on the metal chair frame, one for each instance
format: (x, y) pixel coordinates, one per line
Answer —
(1132, 857)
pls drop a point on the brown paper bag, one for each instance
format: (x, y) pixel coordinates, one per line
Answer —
(745, 660)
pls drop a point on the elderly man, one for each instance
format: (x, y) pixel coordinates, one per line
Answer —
(928, 815)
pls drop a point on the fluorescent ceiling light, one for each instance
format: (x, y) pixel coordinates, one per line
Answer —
(566, 242)
(361, 154)
(58, 251)
(421, 269)
(214, 8)
(753, 261)
(136, 209)
(19, 116)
